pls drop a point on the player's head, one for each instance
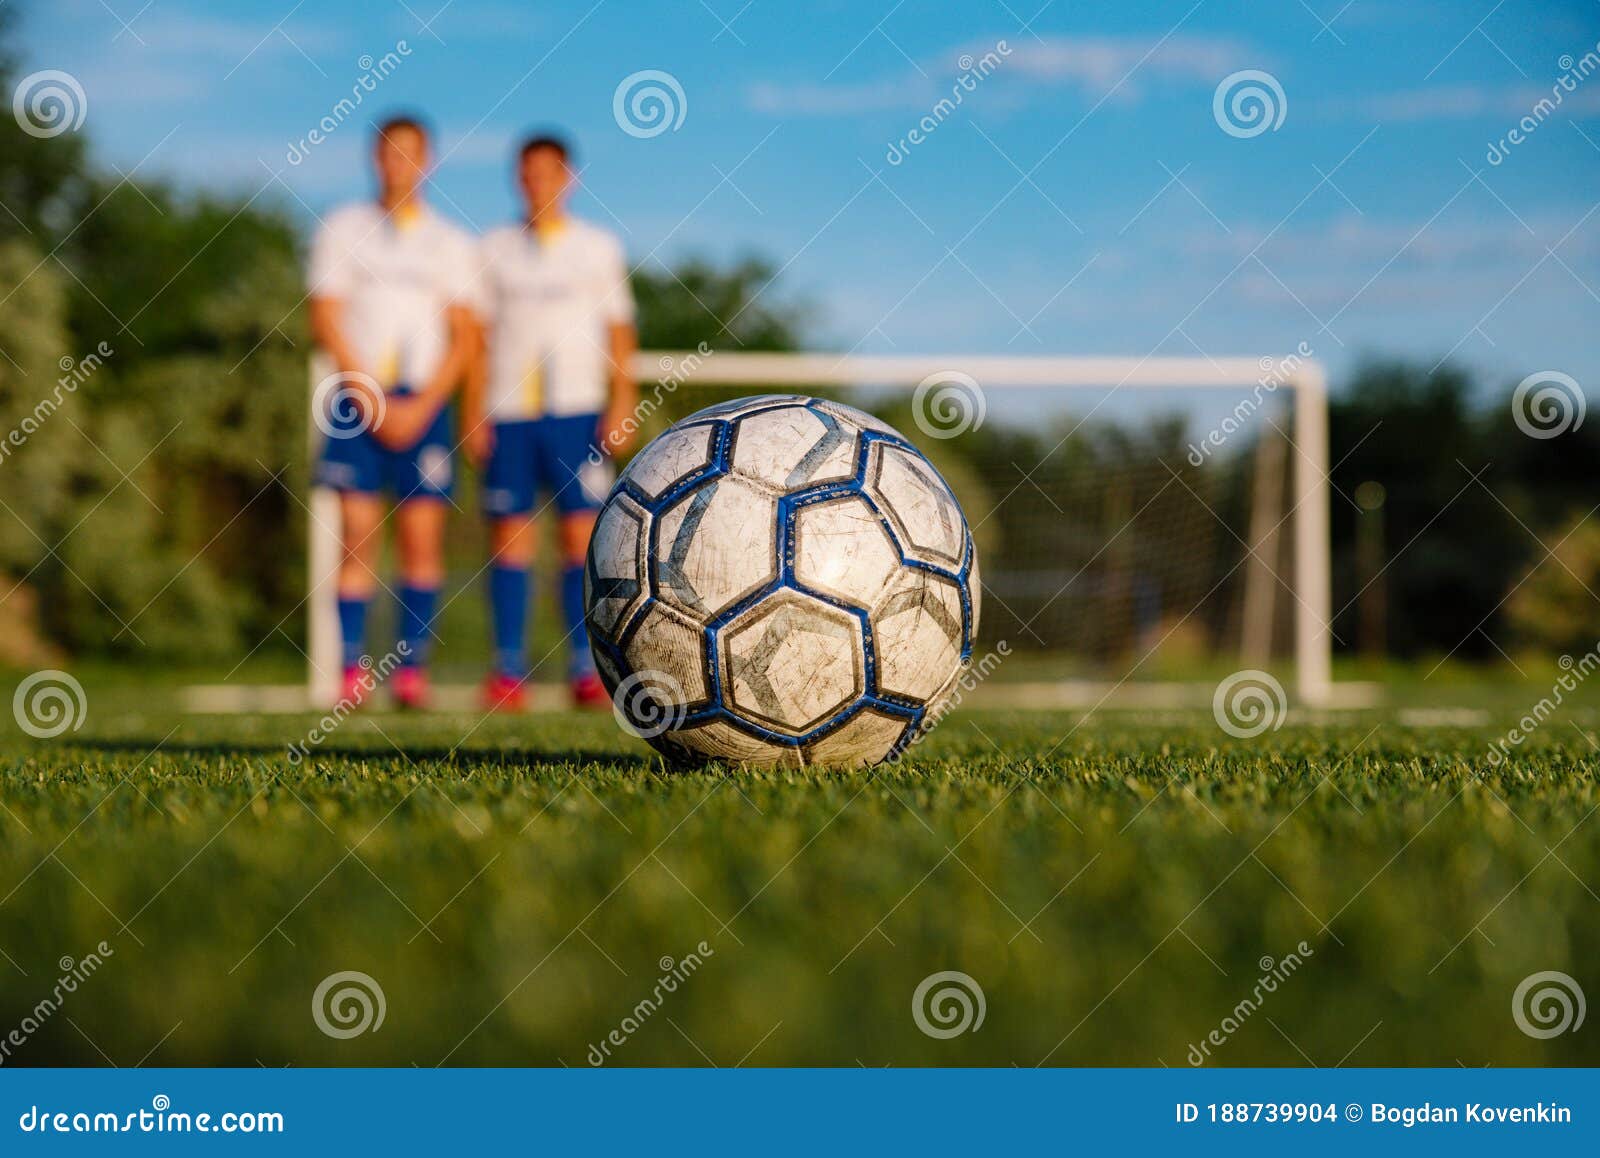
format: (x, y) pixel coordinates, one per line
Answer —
(544, 173)
(401, 155)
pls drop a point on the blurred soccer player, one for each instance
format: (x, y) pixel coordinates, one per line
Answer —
(390, 281)
(549, 404)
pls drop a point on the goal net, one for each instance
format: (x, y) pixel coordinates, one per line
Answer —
(1141, 523)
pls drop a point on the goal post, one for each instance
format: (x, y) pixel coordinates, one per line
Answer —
(1313, 542)
(323, 553)
(1040, 389)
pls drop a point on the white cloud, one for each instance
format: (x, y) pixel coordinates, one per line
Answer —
(1470, 241)
(908, 92)
(177, 61)
(1095, 66)
(200, 36)
(1097, 63)
(1454, 102)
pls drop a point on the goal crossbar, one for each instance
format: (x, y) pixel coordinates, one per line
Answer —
(785, 369)
(687, 370)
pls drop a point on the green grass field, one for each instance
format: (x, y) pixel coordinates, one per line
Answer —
(513, 885)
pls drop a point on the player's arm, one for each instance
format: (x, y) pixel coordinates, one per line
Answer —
(327, 330)
(477, 434)
(408, 419)
(615, 424)
(405, 420)
(330, 277)
(622, 339)
(463, 342)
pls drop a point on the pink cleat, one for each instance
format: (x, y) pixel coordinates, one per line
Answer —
(411, 688)
(589, 692)
(503, 693)
(355, 685)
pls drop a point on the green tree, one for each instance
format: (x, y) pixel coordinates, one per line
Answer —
(729, 309)
(154, 500)
(1450, 551)
(34, 393)
(41, 179)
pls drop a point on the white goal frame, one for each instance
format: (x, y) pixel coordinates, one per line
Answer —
(684, 370)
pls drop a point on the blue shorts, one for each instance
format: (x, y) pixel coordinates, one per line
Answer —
(556, 454)
(354, 461)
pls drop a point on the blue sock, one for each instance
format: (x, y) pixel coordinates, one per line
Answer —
(353, 628)
(580, 661)
(508, 608)
(416, 618)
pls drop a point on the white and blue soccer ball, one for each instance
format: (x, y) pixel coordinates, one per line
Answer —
(781, 580)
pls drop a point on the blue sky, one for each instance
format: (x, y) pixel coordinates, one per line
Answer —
(1082, 198)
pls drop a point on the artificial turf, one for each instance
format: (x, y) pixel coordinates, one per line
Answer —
(1117, 887)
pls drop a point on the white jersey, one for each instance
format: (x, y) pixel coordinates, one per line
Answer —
(396, 279)
(549, 302)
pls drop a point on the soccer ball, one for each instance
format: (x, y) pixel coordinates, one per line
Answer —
(780, 580)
